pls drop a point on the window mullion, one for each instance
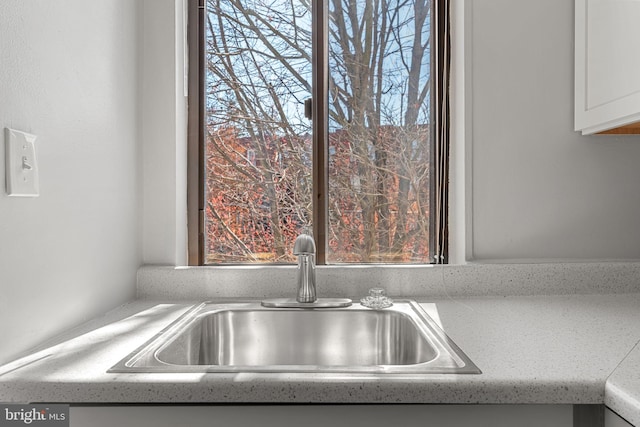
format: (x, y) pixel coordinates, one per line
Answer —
(320, 89)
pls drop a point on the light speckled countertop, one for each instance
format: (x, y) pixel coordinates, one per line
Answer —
(622, 392)
(531, 349)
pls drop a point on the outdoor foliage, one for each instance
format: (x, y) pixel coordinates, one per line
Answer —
(258, 149)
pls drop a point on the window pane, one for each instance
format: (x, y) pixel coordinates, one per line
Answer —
(379, 130)
(258, 143)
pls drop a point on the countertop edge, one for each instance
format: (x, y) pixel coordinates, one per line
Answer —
(622, 388)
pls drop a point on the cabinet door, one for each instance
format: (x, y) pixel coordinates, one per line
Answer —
(607, 64)
(611, 419)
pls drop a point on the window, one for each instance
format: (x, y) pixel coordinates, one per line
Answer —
(325, 115)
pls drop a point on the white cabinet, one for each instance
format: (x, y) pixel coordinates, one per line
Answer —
(607, 66)
(324, 415)
(611, 419)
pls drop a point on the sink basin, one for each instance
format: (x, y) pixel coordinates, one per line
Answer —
(246, 337)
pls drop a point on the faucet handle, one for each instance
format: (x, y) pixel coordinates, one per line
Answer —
(304, 244)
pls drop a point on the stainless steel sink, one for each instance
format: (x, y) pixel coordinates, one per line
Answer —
(246, 337)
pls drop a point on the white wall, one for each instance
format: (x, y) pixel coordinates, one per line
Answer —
(164, 133)
(69, 74)
(526, 186)
(538, 189)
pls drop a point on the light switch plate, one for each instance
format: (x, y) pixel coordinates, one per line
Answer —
(21, 166)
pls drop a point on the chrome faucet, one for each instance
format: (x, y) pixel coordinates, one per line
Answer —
(305, 249)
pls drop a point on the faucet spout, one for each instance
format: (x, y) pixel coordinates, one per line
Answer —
(305, 249)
